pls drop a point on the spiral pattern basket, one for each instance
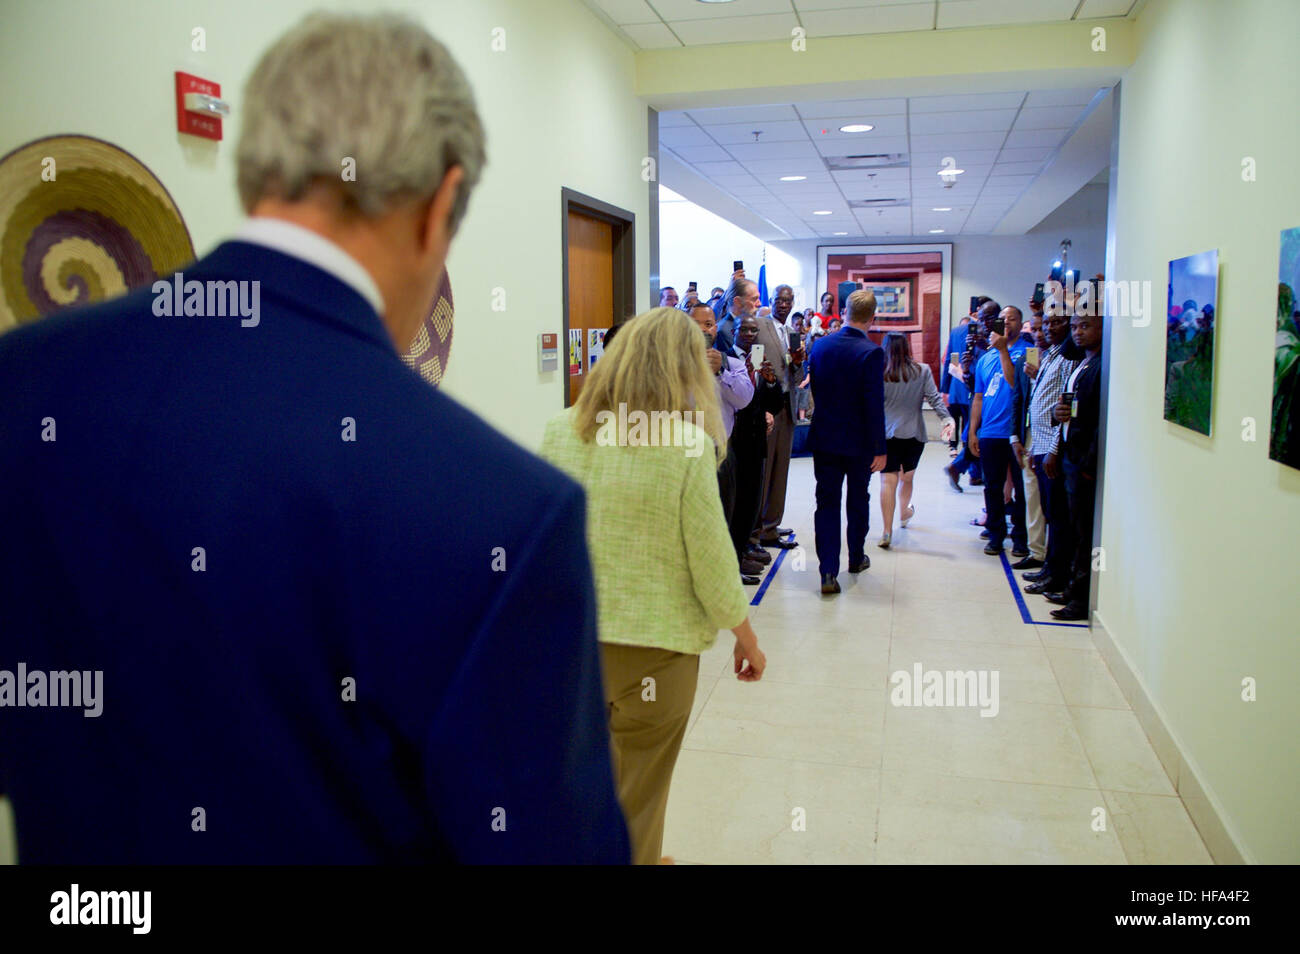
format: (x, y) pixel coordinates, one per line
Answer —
(81, 221)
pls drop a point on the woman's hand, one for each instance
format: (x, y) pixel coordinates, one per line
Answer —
(747, 651)
(947, 432)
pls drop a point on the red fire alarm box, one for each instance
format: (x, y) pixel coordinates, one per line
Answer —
(199, 107)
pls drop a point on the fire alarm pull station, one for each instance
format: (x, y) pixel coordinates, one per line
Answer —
(199, 106)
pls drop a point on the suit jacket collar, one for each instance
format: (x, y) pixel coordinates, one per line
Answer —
(291, 280)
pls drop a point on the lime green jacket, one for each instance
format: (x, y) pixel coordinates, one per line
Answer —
(666, 572)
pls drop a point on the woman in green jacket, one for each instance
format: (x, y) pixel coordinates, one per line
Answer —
(645, 440)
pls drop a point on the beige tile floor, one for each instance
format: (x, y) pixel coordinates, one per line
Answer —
(814, 764)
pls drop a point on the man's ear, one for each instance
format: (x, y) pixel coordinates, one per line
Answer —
(437, 223)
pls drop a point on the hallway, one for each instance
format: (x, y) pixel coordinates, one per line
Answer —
(817, 739)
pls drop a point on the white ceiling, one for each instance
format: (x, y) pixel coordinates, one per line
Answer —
(665, 24)
(1002, 141)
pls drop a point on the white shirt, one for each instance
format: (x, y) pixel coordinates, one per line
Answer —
(314, 249)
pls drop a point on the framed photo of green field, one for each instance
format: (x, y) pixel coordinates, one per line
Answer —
(1284, 440)
(1189, 340)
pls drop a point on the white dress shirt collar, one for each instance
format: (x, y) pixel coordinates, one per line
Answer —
(304, 244)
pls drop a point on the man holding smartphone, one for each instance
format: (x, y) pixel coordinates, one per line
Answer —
(1074, 455)
(774, 336)
(996, 430)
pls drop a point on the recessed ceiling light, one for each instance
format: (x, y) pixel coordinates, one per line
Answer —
(840, 233)
(951, 172)
(942, 208)
(793, 178)
(935, 231)
(857, 127)
(823, 212)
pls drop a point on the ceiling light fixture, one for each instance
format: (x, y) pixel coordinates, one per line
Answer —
(935, 231)
(857, 127)
(839, 233)
(951, 172)
(823, 212)
(942, 208)
(793, 178)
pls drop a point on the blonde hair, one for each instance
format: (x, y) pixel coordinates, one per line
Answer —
(655, 364)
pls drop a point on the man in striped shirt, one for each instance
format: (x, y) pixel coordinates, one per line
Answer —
(1049, 382)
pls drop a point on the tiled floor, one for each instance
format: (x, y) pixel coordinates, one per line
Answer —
(815, 765)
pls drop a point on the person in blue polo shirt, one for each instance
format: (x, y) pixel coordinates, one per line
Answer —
(996, 429)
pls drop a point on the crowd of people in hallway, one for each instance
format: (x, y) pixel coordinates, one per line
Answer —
(523, 694)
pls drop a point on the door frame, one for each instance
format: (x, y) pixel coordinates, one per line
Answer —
(624, 223)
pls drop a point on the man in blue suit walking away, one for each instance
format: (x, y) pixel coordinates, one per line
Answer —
(330, 615)
(847, 436)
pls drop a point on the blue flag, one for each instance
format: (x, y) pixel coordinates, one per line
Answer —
(762, 286)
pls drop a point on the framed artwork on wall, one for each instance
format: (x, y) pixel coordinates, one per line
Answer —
(1284, 437)
(1190, 321)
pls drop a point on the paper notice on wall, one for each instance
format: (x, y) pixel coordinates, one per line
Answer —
(575, 351)
(595, 344)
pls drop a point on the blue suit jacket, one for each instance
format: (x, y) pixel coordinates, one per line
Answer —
(955, 388)
(848, 385)
(478, 731)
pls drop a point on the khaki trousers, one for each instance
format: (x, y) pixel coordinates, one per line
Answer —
(1034, 516)
(649, 693)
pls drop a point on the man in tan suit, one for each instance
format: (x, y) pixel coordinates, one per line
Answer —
(774, 336)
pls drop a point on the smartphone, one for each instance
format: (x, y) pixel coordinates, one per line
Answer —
(737, 266)
(997, 326)
(756, 354)
(974, 304)
(1031, 356)
(1069, 398)
(796, 340)
(691, 287)
(1040, 292)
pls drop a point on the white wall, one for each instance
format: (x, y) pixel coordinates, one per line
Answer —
(558, 105)
(1003, 267)
(1200, 588)
(696, 245)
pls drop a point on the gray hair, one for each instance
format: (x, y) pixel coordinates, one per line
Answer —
(376, 88)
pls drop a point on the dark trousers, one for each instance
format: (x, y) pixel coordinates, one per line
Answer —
(831, 471)
(966, 460)
(998, 457)
(1060, 533)
(1082, 494)
(727, 484)
(960, 414)
(751, 459)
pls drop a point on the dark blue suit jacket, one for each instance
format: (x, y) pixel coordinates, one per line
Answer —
(478, 731)
(848, 385)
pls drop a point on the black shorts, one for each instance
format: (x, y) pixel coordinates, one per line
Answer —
(903, 453)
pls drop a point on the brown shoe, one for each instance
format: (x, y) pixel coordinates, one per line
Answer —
(750, 567)
(830, 585)
(760, 555)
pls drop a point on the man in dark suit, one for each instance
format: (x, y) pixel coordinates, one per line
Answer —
(339, 618)
(1075, 456)
(847, 436)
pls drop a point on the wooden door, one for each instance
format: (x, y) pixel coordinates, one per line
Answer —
(591, 289)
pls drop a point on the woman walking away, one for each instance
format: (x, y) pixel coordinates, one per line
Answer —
(908, 385)
(663, 560)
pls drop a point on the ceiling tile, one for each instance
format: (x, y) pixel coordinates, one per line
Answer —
(711, 169)
(1018, 168)
(670, 118)
(675, 136)
(789, 131)
(1047, 117)
(1092, 9)
(743, 114)
(978, 13)
(776, 26)
(951, 144)
(1031, 154)
(735, 10)
(651, 36)
(978, 120)
(950, 104)
(701, 153)
(868, 145)
(628, 11)
(1036, 137)
(866, 108)
(883, 126)
(893, 18)
(773, 150)
(1060, 97)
